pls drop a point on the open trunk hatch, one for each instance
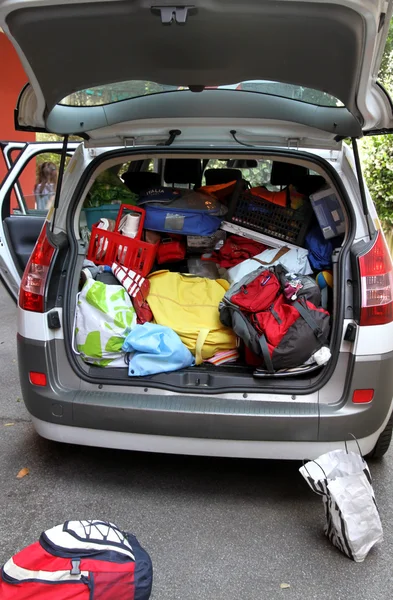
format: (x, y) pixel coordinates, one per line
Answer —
(332, 47)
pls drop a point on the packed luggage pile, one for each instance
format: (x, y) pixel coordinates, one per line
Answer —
(220, 274)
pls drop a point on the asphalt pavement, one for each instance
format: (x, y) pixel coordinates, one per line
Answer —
(216, 529)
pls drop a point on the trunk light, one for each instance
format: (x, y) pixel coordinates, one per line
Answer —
(32, 288)
(376, 273)
(37, 378)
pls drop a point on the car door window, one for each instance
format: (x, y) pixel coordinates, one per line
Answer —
(34, 189)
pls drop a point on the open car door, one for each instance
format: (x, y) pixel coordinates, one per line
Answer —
(21, 220)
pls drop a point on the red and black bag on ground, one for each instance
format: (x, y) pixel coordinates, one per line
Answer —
(284, 333)
(79, 560)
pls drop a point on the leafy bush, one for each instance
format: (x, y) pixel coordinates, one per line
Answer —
(377, 151)
(108, 188)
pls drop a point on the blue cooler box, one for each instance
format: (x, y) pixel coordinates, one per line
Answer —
(328, 211)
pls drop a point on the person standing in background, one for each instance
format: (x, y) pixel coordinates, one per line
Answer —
(45, 186)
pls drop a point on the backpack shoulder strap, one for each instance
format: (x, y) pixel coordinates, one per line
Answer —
(265, 354)
(307, 316)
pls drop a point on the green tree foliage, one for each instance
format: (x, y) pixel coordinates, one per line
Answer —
(377, 151)
(256, 176)
(52, 156)
(386, 70)
(115, 92)
(378, 171)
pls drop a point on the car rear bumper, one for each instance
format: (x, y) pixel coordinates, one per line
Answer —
(65, 412)
(198, 446)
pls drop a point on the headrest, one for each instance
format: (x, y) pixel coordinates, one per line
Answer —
(310, 184)
(240, 163)
(284, 173)
(183, 170)
(139, 181)
(217, 176)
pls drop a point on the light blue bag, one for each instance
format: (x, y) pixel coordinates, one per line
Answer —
(155, 349)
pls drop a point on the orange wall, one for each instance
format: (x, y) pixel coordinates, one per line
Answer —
(12, 80)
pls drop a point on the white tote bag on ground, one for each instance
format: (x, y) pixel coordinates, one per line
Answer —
(352, 518)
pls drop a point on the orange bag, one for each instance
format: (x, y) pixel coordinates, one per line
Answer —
(289, 197)
(219, 191)
(279, 198)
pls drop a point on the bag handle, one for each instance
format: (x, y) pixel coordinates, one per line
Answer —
(201, 339)
(357, 443)
(318, 465)
(166, 240)
(279, 254)
(74, 327)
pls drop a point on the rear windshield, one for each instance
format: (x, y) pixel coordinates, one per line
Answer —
(116, 92)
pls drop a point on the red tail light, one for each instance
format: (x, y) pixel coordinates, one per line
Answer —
(32, 288)
(376, 272)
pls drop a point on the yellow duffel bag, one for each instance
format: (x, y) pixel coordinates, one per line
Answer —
(189, 305)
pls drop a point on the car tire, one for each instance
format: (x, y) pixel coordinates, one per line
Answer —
(383, 443)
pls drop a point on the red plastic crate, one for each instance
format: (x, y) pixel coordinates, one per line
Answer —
(107, 247)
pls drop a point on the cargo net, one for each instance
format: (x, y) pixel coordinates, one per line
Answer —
(281, 222)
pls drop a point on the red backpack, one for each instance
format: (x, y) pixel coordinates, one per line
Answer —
(284, 333)
(79, 560)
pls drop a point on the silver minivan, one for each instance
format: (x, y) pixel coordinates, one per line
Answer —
(270, 88)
